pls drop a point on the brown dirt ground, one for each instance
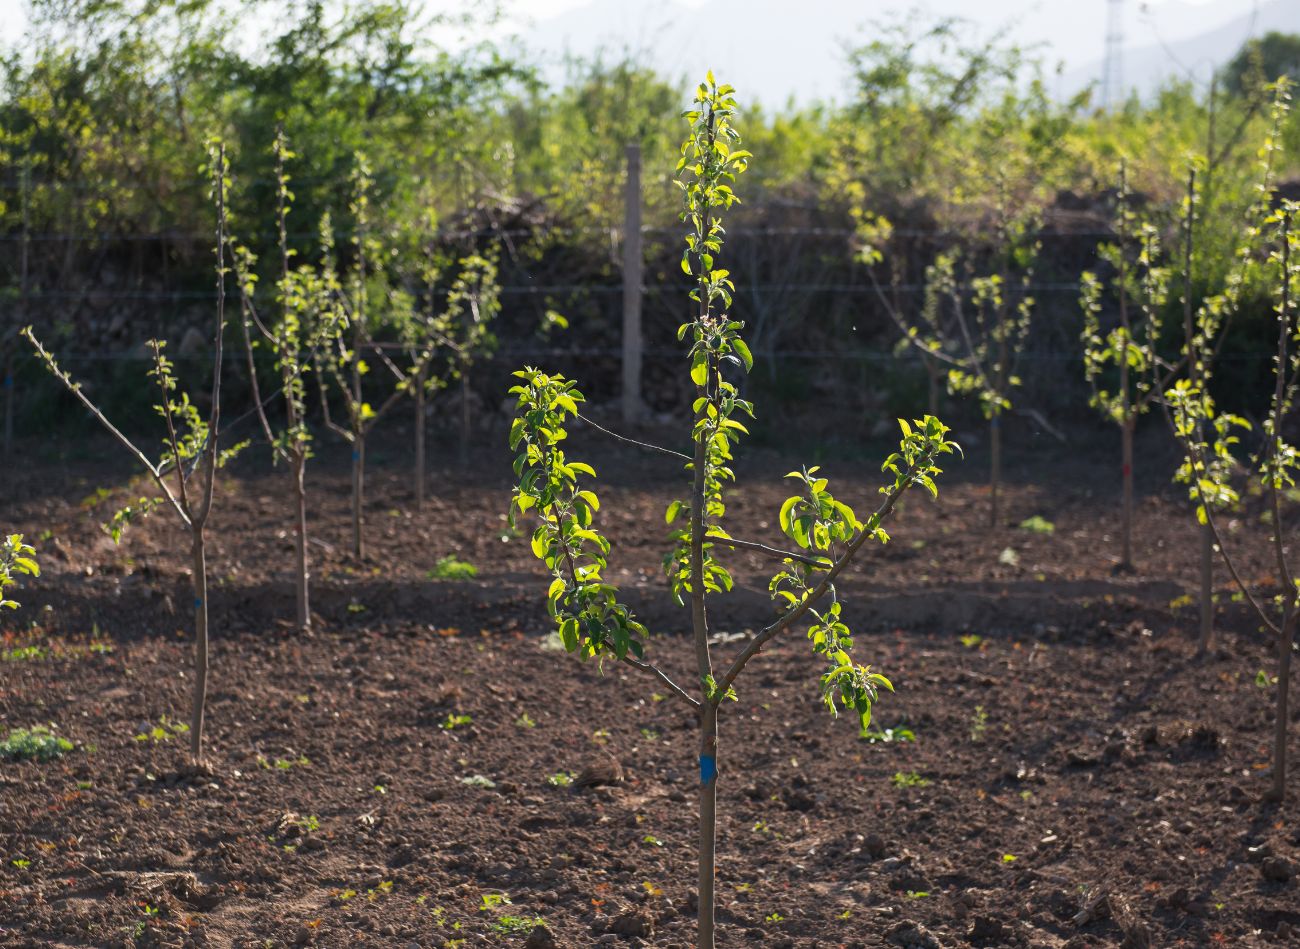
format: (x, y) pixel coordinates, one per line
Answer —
(1079, 778)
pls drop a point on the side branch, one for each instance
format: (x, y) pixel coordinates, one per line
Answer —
(1223, 551)
(662, 676)
(910, 334)
(796, 612)
(633, 441)
(126, 443)
(765, 549)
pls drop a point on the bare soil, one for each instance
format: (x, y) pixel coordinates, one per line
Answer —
(402, 778)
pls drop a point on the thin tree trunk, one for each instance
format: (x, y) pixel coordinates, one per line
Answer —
(1207, 590)
(1285, 639)
(358, 493)
(1126, 529)
(995, 468)
(300, 540)
(464, 417)
(932, 372)
(9, 406)
(708, 820)
(419, 439)
(200, 581)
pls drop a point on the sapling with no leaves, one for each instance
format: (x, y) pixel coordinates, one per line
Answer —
(1123, 364)
(591, 619)
(307, 320)
(16, 557)
(185, 474)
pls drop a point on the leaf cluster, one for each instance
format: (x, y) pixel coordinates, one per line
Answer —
(591, 620)
(16, 558)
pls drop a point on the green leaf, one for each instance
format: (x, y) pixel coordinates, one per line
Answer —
(700, 369)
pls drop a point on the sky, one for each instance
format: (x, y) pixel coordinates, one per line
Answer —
(779, 49)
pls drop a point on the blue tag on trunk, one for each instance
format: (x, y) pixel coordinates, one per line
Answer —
(708, 769)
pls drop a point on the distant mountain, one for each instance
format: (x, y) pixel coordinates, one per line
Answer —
(774, 50)
(1197, 57)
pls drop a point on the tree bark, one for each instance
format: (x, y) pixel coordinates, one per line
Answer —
(1207, 590)
(1126, 527)
(708, 821)
(300, 540)
(200, 582)
(358, 494)
(1285, 639)
(9, 406)
(464, 417)
(419, 439)
(995, 468)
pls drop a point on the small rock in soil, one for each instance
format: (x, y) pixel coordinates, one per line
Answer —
(986, 928)
(541, 938)
(631, 924)
(1276, 869)
(909, 935)
(599, 772)
(874, 846)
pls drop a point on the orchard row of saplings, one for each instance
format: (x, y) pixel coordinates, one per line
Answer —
(323, 326)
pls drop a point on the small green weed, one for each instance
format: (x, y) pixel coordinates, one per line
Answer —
(165, 730)
(37, 743)
(561, 779)
(516, 925)
(909, 779)
(1038, 525)
(449, 568)
(455, 721)
(888, 736)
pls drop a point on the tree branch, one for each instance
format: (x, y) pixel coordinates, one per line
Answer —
(765, 549)
(1199, 463)
(796, 612)
(126, 443)
(633, 441)
(659, 673)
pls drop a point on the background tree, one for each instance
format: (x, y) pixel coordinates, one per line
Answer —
(1123, 365)
(1262, 60)
(1208, 436)
(308, 319)
(187, 470)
